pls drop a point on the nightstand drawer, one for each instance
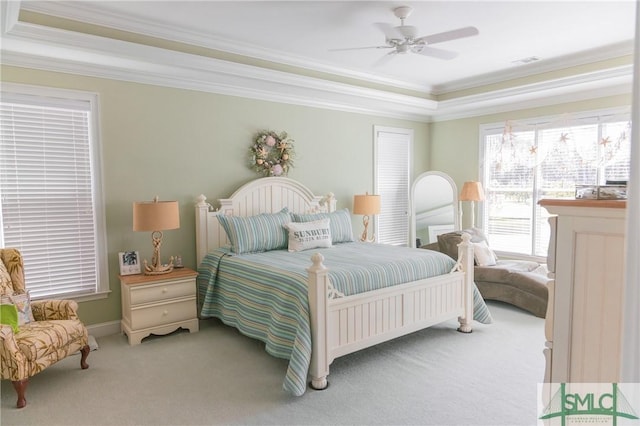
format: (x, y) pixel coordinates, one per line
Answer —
(156, 315)
(162, 291)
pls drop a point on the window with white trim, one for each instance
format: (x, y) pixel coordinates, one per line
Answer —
(50, 190)
(392, 157)
(525, 161)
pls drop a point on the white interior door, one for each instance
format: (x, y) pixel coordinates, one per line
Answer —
(392, 171)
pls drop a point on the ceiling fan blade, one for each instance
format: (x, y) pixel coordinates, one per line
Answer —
(360, 48)
(449, 35)
(432, 51)
(390, 32)
(385, 58)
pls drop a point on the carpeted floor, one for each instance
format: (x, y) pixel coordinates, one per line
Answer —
(217, 376)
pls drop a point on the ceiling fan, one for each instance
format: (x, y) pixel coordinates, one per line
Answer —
(404, 38)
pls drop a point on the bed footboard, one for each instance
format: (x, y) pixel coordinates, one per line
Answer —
(342, 325)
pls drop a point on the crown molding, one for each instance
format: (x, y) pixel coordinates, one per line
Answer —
(35, 46)
(92, 13)
(582, 58)
(610, 82)
(52, 49)
(95, 15)
(10, 11)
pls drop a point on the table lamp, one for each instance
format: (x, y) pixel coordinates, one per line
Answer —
(156, 216)
(366, 205)
(471, 191)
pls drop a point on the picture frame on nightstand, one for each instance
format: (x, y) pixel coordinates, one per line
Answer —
(129, 262)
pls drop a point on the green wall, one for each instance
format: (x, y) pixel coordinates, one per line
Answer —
(178, 144)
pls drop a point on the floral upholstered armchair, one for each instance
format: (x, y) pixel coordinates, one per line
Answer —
(46, 330)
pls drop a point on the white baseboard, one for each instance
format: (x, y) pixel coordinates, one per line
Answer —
(104, 329)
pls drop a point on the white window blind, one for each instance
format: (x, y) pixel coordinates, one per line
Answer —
(525, 162)
(392, 171)
(48, 198)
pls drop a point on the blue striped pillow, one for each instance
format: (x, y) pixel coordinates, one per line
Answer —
(258, 233)
(339, 223)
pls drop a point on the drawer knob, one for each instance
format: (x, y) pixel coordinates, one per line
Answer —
(165, 312)
(164, 290)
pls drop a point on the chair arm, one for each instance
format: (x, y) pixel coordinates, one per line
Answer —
(13, 361)
(44, 310)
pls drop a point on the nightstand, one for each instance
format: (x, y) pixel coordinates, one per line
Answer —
(158, 304)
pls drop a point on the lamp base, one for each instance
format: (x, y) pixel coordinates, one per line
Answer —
(156, 267)
(364, 237)
(164, 269)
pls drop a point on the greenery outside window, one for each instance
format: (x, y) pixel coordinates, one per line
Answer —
(525, 161)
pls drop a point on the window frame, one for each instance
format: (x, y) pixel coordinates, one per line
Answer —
(539, 123)
(49, 95)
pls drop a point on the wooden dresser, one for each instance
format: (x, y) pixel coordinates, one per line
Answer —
(585, 312)
(158, 304)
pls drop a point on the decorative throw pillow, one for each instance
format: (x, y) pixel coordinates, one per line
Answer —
(9, 316)
(22, 303)
(308, 235)
(483, 255)
(339, 223)
(251, 234)
(448, 243)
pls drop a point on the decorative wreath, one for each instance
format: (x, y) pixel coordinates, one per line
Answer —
(272, 153)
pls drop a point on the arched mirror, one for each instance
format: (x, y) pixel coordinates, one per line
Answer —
(434, 201)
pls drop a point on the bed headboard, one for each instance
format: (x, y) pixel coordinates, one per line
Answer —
(264, 195)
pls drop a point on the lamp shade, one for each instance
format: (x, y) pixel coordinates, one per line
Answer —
(156, 215)
(366, 204)
(472, 191)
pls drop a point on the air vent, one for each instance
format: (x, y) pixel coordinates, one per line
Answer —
(526, 60)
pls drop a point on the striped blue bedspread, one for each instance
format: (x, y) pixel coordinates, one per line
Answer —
(271, 303)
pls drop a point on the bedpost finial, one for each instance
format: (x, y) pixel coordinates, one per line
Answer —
(201, 199)
(317, 260)
(328, 202)
(466, 238)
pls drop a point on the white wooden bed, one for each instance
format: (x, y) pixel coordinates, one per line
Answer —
(342, 325)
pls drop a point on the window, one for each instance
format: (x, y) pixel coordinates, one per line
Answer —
(392, 172)
(51, 201)
(523, 162)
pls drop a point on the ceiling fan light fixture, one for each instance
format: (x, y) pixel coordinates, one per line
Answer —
(403, 12)
(404, 39)
(409, 32)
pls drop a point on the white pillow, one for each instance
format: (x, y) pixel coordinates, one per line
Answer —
(308, 235)
(483, 255)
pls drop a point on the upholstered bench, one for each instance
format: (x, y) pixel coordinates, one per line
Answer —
(518, 282)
